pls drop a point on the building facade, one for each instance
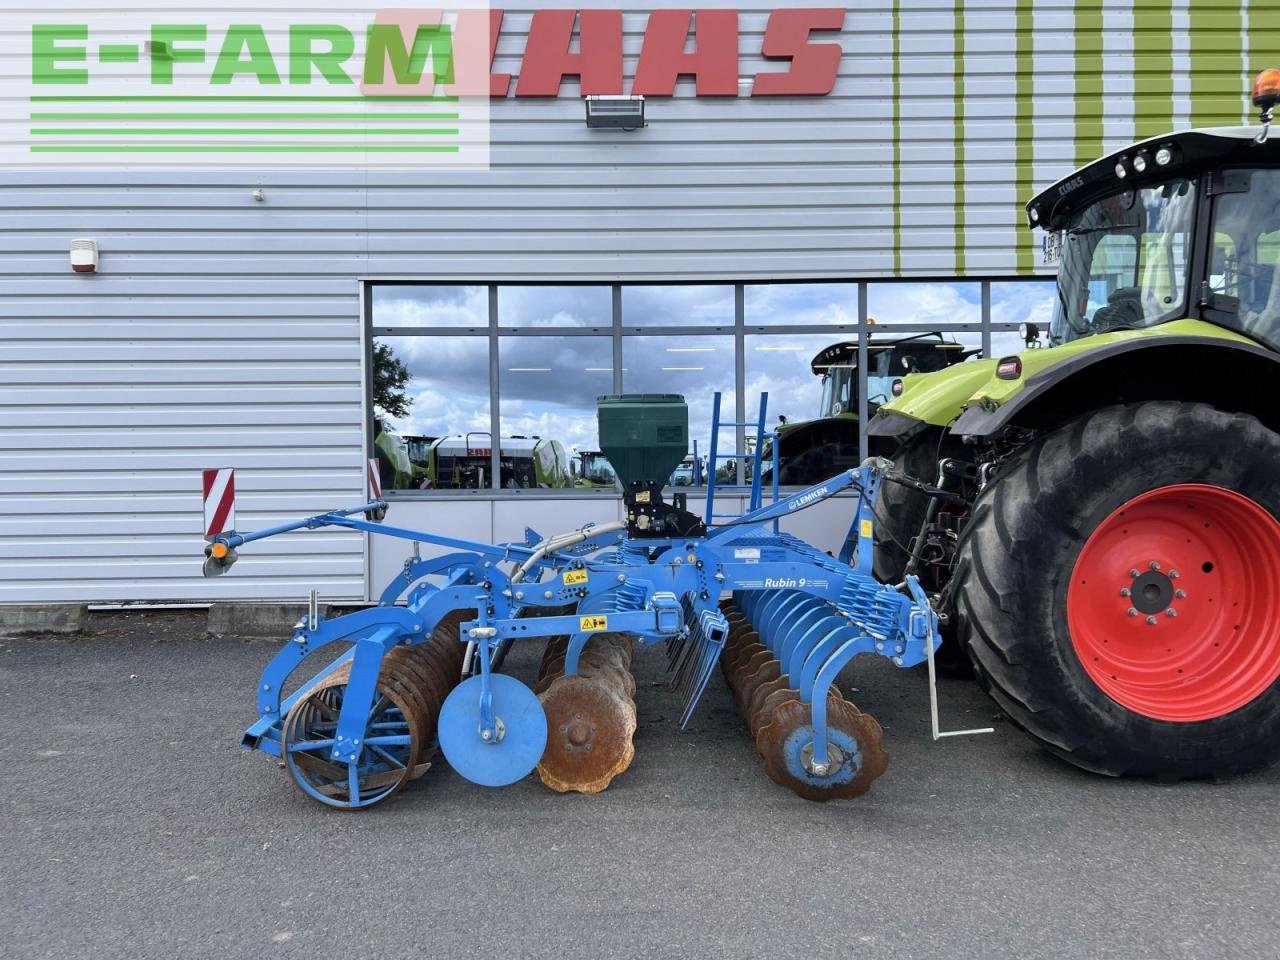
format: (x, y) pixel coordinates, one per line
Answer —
(234, 317)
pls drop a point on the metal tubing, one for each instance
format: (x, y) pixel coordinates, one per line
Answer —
(826, 677)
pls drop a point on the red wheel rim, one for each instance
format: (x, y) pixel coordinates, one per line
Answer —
(1212, 557)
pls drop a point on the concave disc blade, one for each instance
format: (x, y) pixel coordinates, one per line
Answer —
(787, 741)
(589, 735)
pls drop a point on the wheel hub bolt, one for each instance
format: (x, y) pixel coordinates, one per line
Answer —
(1134, 572)
(1133, 612)
(1153, 565)
(1173, 574)
(1180, 594)
(1126, 592)
(1171, 612)
(1151, 620)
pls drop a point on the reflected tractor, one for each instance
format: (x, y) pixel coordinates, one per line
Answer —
(420, 674)
(1101, 536)
(813, 449)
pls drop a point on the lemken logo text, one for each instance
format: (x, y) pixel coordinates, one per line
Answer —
(808, 498)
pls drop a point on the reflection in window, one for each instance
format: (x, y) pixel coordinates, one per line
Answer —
(1022, 301)
(547, 407)
(677, 306)
(940, 303)
(800, 303)
(555, 307)
(424, 306)
(693, 366)
(431, 397)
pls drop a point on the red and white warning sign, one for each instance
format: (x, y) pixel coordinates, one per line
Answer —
(219, 502)
(375, 485)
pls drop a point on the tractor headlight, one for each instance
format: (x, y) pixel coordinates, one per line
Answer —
(1122, 169)
(1164, 156)
(1140, 163)
(896, 388)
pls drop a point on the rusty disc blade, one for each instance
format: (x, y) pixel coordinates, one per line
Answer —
(735, 658)
(589, 731)
(764, 698)
(743, 670)
(856, 755)
(750, 682)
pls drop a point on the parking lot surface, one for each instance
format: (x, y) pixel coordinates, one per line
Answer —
(136, 827)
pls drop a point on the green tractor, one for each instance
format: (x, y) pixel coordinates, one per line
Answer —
(812, 450)
(1098, 514)
(592, 471)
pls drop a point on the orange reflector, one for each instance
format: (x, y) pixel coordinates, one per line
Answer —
(1266, 88)
(218, 550)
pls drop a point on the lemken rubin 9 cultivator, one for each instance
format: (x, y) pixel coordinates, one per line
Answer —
(420, 670)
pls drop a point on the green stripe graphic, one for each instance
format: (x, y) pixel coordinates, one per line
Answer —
(1216, 62)
(1152, 67)
(1024, 125)
(1089, 107)
(88, 98)
(240, 148)
(957, 82)
(244, 116)
(232, 131)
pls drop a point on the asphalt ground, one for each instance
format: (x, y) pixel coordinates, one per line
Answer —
(134, 826)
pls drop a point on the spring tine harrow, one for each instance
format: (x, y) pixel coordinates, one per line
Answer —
(422, 675)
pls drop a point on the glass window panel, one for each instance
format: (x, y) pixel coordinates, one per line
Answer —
(677, 306)
(445, 407)
(1022, 301)
(693, 366)
(801, 303)
(815, 444)
(547, 405)
(426, 306)
(1005, 343)
(940, 303)
(555, 307)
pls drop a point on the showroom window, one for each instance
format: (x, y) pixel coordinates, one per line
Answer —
(454, 366)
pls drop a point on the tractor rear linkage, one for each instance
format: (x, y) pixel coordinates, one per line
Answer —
(424, 673)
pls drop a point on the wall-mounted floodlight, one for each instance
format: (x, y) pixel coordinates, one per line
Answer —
(615, 112)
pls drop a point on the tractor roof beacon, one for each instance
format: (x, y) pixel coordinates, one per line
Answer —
(1107, 551)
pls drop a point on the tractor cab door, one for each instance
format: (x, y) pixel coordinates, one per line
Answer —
(1243, 278)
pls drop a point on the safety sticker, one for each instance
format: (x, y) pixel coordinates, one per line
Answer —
(573, 577)
(592, 624)
(865, 528)
(746, 553)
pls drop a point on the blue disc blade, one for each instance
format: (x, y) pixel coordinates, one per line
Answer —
(493, 764)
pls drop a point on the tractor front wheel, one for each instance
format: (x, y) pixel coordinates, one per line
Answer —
(1119, 591)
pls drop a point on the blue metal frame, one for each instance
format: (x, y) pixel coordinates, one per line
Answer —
(815, 612)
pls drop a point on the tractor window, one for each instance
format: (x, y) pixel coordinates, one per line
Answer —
(1246, 250)
(1124, 262)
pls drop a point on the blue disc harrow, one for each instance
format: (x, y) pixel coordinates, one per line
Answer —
(418, 674)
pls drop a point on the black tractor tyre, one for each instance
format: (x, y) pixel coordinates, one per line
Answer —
(1018, 557)
(901, 509)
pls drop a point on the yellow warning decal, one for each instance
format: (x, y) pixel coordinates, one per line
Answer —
(865, 529)
(572, 577)
(592, 624)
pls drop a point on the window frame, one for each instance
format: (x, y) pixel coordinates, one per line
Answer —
(618, 330)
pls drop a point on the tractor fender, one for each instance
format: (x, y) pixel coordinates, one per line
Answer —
(1229, 374)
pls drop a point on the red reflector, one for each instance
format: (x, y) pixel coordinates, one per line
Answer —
(1010, 368)
(896, 388)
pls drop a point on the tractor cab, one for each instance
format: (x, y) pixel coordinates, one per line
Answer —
(813, 450)
(593, 470)
(1185, 225)
(887, 360)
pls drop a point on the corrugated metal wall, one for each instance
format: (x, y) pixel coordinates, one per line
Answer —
(222, 331)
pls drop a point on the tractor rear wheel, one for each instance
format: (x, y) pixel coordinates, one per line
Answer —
(1118, 590)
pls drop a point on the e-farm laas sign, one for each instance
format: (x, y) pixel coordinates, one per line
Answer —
(296, 85)
(308, 84)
